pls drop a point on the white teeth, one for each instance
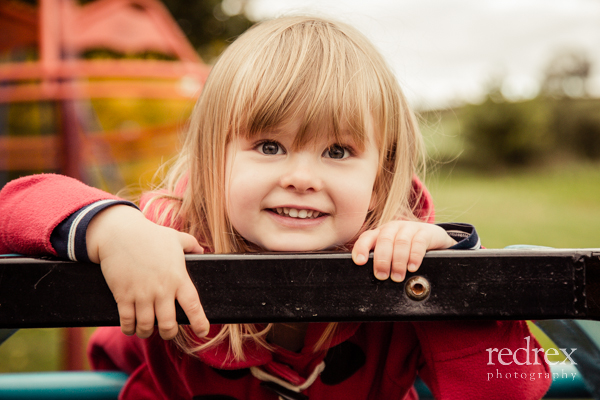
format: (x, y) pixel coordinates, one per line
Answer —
(297, 213)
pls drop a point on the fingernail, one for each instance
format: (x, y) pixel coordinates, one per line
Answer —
(360, 258)
(397, 277)
(382, 276)
(412, 267)
(202, 333)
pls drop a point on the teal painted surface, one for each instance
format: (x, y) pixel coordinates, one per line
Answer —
(567, 384)
(62, 385)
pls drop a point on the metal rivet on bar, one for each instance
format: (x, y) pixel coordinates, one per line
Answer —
(417, 288)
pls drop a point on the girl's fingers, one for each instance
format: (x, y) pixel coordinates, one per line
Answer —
(400, 257)
(419, 246)
(190, 244)
(187, 294)
(127, 317)
(189, 301)
(392, 244)
(363, 245)
(166, 318)
(384, 251)
(144, 315)
(399, 246)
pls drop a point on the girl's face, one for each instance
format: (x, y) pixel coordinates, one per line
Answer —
(313, 198)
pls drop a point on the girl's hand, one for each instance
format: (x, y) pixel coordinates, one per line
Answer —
(144, 266)
(399, 245)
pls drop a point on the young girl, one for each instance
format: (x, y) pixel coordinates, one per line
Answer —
(301, 140)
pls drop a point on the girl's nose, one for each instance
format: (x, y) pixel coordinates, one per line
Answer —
(301, 174)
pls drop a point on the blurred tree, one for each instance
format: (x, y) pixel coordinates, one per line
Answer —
(575, 118)
(567, 75)
(563, 122)
(504, 134)
(210, 25)
(575, 124)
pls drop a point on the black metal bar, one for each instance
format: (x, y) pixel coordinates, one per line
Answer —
(483, 284)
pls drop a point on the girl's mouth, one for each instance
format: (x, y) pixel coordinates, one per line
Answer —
(297, 213)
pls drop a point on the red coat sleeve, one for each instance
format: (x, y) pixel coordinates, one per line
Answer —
(482, 360)
(32, 206)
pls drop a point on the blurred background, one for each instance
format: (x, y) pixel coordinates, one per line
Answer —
(507, 94)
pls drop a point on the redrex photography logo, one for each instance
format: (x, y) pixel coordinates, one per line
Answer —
(528, 356)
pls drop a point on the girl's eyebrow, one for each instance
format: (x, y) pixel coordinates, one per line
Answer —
(261, 134)
(271, 131)
(275, 130)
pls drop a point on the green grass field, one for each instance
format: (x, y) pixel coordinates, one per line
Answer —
(557, 207)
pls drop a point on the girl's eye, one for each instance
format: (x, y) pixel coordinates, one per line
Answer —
(270, 148)
(337, 151)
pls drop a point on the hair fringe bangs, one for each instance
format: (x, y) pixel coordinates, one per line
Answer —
(314, 73)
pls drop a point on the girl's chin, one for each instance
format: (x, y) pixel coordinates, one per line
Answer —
(293, 249)
(294, 246)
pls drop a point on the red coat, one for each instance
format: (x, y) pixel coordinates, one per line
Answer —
(364, 361)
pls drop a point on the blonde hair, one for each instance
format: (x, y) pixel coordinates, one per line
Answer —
(329, 76)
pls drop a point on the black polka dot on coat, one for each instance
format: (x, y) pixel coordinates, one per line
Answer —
(341, 362)
(214, 397)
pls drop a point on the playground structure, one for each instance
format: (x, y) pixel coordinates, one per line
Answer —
(53, 73)
(59, 32)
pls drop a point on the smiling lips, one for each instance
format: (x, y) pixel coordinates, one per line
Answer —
(297, 213)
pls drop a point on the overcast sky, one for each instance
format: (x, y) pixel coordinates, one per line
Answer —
(448, 50)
